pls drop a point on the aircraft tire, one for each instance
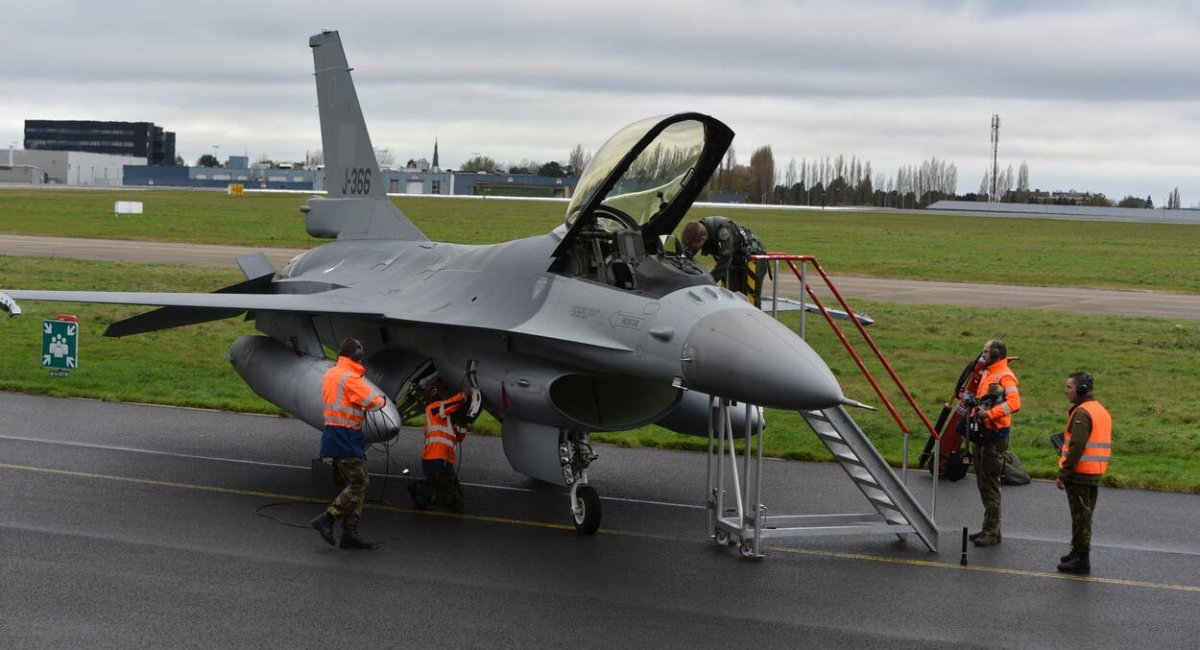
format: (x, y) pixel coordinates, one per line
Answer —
(587, 499)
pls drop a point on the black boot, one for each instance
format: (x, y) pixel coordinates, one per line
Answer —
(323, 524)
(419, 493)
(1080, 563)
(351, 540)
(1068, 557)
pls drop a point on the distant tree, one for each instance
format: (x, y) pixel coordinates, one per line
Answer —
(385, 157)
(1098, 200)
(762, 171)
(790, 176)
(179, 161)
(1133, 202)
(578, 160)
(316, 158)
(1149, 202)
(1173, 202)
(479, 163)
(553, 169)
(1023, 177)
(208, 160)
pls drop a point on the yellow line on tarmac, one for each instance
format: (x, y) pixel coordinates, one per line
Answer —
(540, 524)
(988, 569)
(277, 495)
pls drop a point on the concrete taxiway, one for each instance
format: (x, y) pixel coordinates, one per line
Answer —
(142, 526)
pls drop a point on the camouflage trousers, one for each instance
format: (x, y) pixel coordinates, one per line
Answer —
(348, 505)
(989, 465)
(444, 490)
(1081, 498)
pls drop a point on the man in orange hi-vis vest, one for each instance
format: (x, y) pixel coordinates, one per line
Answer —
(1087, 447)
(445, 428)
(346, 397)
(997, 397)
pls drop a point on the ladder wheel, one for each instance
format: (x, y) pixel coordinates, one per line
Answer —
(723, 537)
(747, 550)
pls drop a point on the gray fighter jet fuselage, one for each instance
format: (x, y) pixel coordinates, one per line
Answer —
(595, 326)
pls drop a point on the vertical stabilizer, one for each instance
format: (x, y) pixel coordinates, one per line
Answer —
(357, 207)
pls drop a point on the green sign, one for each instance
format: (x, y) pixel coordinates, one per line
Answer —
(60, 345)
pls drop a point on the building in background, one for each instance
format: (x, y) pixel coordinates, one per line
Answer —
(144, 140)
(75, 168)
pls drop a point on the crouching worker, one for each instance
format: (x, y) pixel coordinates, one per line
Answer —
(446, 420)
(347, 397)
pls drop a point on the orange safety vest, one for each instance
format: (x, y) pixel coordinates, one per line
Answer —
(1000, 415)
(1099, 445)
(441, 435)
(346, 395)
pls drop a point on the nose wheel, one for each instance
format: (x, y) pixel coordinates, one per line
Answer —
(585, 509)
(575, 454)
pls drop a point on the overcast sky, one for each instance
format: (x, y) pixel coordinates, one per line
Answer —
(1094, 96)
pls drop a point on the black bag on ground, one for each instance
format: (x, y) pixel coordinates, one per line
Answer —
(956, 465)
(1014, 471)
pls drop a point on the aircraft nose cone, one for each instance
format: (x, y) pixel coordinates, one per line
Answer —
(745, 355)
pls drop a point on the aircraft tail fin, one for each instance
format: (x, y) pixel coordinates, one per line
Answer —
(357, 207)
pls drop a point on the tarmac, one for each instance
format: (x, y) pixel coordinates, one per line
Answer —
(125, 525)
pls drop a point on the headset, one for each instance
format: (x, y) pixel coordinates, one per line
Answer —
(1084, 383)
(997, 350)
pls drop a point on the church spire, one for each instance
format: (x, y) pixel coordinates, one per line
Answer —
(436, 167)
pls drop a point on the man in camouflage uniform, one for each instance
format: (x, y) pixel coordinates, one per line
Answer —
(997, 398)
(1083, 459)
(346, 397)
(731, 244)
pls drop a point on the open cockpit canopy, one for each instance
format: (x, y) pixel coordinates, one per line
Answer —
(647, 175)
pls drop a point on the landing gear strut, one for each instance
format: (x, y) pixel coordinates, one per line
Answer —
(575, 453)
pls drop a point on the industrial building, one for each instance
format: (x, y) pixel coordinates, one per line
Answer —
(75, 168)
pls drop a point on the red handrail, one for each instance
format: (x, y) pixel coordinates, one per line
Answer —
(791, 261)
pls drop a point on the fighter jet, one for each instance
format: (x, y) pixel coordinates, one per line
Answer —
(599, 325)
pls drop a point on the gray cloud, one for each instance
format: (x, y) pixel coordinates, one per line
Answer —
(1101, 96)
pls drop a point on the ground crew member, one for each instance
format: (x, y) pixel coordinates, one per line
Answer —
(1087, 447)
(347, 397)
(731, 244)
(445, 428)
(994, 419)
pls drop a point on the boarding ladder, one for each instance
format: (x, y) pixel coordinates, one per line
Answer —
(736, 512)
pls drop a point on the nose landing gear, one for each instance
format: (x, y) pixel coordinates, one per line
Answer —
(575, 454)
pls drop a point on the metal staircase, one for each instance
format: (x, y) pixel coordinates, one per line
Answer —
(736, 512)
(898, 510)
(737, 515)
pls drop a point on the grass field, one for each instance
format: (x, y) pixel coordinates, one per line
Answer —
(966, 249)
(1145, 367)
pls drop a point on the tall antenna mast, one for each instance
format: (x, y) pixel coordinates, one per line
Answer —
(995, 196)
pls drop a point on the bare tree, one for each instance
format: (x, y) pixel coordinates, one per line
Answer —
(762, 170)
(578, 160)
(1023, 177)
(385, 158)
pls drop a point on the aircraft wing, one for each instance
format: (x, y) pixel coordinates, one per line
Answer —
(324, 303)
(190, 308)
